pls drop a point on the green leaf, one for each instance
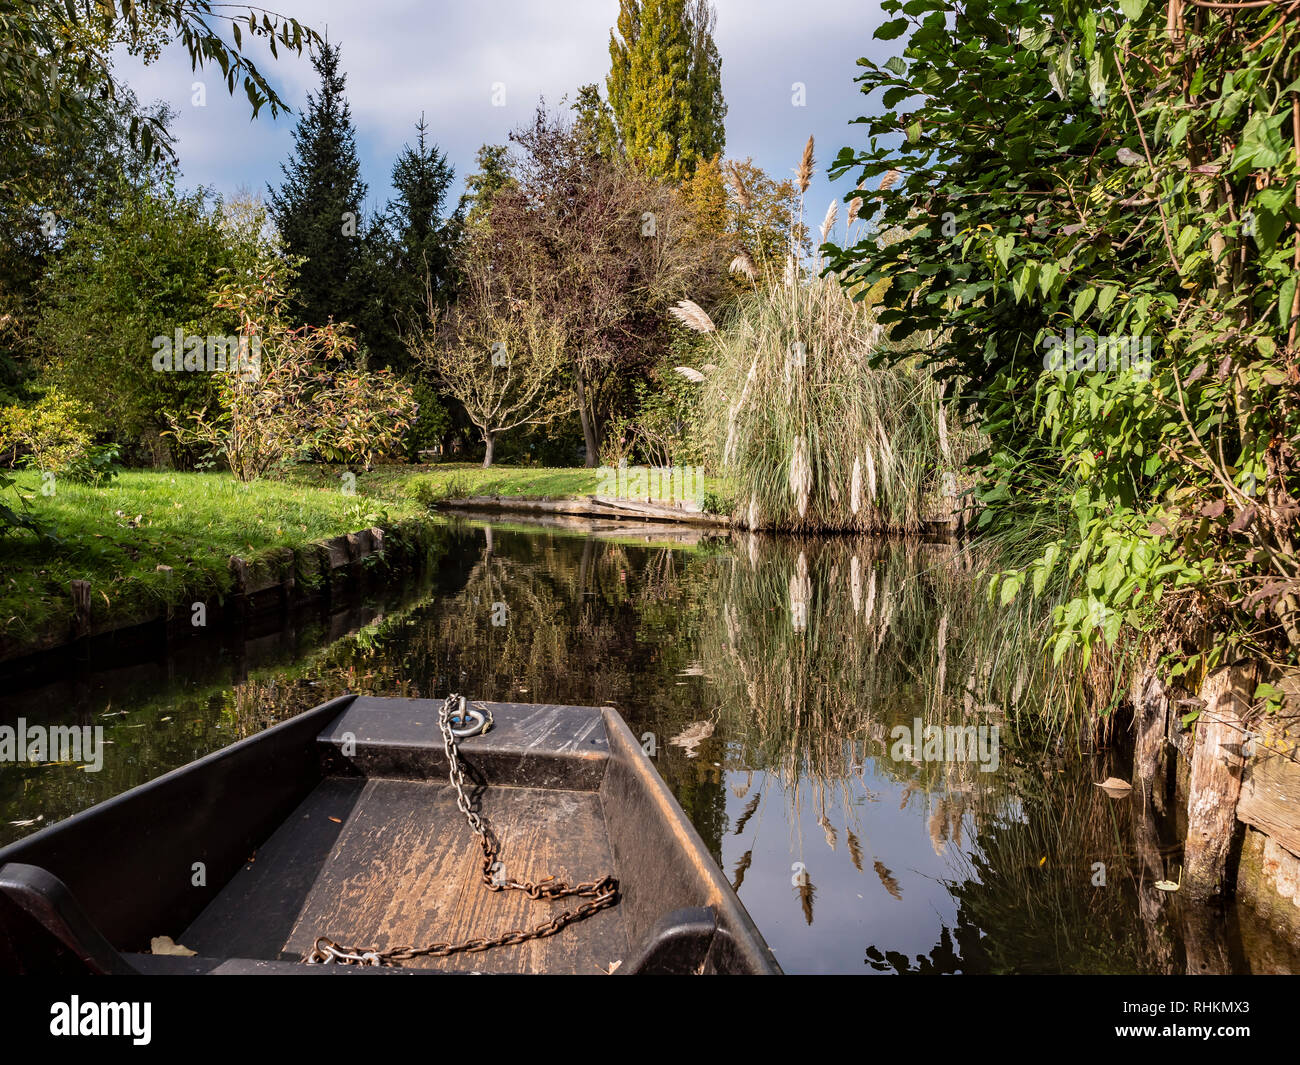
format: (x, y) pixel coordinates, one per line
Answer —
(1285, 298)
(896, 66)
(1047, 275)
(890, 30)
(1010, 586)
(1082, 303)
(1002, 247)
(1132, 8)
(1106, 298)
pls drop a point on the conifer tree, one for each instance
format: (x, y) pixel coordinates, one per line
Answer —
(318, 208)
(481, 187)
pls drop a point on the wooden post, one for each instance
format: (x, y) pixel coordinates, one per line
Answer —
(1150, 709)
(1216, 779)
(80, 608)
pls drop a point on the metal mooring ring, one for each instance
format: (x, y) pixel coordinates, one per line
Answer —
(476, 719)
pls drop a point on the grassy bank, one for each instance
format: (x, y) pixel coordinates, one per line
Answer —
(453, 480)
(116, 537)
(430, 485)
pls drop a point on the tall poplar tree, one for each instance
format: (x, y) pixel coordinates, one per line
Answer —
(318, 208)
(665, 85)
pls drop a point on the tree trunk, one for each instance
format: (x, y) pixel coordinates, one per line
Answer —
(490, 440)
(588, 427)
(1215, 780)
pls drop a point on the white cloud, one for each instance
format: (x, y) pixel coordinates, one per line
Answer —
(403, 57)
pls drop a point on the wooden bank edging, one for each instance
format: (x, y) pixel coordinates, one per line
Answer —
(1240, 780)
(631, 510)
(589, 506)
(279, 577)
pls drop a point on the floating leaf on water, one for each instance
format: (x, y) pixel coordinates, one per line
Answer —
(1114, 787)
(1166, 885)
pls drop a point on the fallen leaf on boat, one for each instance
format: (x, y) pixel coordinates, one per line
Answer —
(164, 945)
(336, 820)
(1114, 787)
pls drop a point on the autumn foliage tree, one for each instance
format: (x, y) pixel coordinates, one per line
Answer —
(604, 250)
(283, 397)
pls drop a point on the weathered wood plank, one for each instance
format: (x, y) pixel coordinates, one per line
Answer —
(261, 902)
(1270, 787)
(529, 745)
(405, 871)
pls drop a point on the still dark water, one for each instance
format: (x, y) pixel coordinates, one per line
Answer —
(767, 677)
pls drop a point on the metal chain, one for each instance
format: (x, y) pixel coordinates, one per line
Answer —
(603, 893)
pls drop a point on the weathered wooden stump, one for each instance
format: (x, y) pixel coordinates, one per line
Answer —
(1215, 785)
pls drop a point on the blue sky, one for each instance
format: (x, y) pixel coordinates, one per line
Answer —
(403, 57)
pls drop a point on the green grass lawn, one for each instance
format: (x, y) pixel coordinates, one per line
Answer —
(116, 536)
(456, 480)
(452, 480)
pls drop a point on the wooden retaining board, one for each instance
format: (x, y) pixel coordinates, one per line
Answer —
(1270, 787)
(382, 863)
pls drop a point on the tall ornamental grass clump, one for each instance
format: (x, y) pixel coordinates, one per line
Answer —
(810, 434)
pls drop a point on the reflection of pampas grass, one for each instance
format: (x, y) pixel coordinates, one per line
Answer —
(800, 593)
(811, 680)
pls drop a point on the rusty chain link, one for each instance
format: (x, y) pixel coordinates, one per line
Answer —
(602, 893)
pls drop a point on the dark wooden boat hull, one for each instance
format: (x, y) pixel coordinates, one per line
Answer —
(340, 822)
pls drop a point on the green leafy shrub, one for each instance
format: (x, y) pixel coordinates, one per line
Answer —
(52, 435)
(97, 466)
(430, 425)
(1120, 176)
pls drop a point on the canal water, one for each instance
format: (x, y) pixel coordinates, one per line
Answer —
(892, 782)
